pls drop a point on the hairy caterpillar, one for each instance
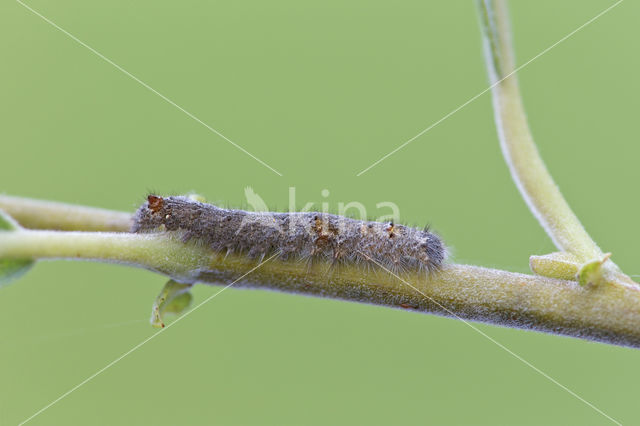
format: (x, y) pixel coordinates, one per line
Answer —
(308, 235)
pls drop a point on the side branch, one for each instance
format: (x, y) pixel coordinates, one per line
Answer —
(37, 214)
(527, 168)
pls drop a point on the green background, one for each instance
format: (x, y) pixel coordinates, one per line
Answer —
(318, 90)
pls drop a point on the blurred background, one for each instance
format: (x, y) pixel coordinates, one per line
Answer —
(319, 91)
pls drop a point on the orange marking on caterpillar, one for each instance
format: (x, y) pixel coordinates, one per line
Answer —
(155, 203)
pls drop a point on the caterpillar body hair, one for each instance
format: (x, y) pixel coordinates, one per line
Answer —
(304, 235)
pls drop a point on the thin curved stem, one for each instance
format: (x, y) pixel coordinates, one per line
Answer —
(525, 163)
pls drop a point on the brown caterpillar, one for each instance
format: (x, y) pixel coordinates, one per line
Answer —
(308, 236)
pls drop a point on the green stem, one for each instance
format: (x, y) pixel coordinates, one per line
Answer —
(608, 314)
(158, 252)
(527, 168)
(37, 214)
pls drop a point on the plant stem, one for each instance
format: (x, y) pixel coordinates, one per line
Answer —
(608, 314)
(37, 214)
(527, 168)
(157, 252)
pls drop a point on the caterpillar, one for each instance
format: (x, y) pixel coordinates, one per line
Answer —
(305, 235)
